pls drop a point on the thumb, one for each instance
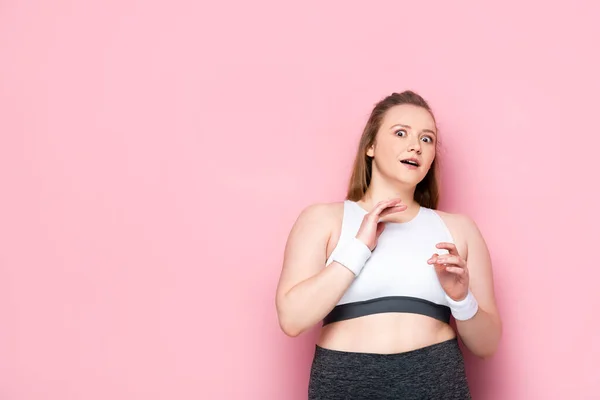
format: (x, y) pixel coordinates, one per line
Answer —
(380, 227)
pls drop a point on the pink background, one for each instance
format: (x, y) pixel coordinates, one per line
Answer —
(153, 156)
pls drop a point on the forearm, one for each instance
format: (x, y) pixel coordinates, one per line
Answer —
(480, 334)
(311, 300)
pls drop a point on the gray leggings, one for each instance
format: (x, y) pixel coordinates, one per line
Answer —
(433, 372)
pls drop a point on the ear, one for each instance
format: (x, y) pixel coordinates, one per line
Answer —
(371, 151)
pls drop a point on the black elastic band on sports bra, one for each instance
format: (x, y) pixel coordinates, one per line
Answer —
(388, 304)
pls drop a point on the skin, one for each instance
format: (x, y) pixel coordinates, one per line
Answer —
(307, 291)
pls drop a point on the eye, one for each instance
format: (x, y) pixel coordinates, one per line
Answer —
(400, 131)
(428, 139)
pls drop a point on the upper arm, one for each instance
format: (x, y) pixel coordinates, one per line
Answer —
(479, 264)
(306, 247)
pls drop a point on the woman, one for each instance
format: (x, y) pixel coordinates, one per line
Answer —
(384, 270)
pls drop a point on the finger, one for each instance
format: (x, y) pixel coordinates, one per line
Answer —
(448, 246)
(395, 209)
(433, 259)
(451, 259)
(382, 205)
(434, 262)
(456, 270)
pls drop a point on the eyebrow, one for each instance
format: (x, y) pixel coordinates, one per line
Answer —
(409, 127)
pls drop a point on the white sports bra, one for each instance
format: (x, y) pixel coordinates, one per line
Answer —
(396, 278)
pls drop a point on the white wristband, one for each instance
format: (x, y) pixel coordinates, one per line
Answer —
(353, 255)
(464, 309)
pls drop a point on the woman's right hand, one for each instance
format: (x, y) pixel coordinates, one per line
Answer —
(370, 228)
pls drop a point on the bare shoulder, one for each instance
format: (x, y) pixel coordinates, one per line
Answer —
(318, 223)
(461, 222)
(322, 213)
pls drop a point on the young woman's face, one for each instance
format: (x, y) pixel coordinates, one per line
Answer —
(405, 144)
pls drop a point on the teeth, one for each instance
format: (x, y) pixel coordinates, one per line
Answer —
(410, 162)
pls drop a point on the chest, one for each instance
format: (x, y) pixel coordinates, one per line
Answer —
(398, 266)
(404, 252)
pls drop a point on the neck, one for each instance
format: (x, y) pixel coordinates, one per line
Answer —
(380, 189)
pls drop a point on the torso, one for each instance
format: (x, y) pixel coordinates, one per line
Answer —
(391, 332)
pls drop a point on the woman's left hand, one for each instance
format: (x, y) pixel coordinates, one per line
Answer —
(452, 271)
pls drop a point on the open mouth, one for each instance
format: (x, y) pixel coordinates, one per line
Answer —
(410, 162)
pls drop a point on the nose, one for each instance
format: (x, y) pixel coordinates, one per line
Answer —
(415, 145)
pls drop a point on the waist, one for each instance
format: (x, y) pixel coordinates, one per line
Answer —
(385, 333)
